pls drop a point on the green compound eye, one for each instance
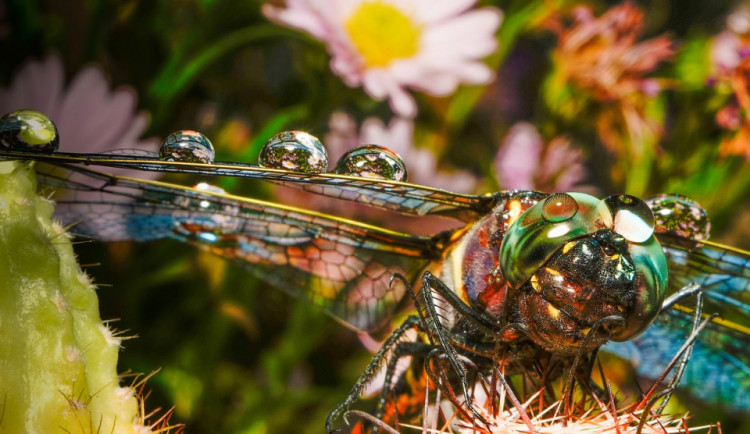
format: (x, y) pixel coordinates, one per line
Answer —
(559, 207)
(542, 230)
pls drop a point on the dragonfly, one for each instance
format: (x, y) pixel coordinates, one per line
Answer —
(347, 267)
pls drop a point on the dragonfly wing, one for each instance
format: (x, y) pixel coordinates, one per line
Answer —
(391, 195)
(723, 273)
(719, 370)
(340, 265)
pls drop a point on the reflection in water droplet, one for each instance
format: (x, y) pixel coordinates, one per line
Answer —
(372, 161)
(631, 217)
(28, 130)
(188, 146)
(559, 207)
(296, 151)
(204, 186)
(680, 215)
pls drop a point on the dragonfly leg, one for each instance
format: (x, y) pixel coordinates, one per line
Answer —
(434, 359)
(430, 283)
(687, 291)
(401, 350)
(690, 289)
(411, 323)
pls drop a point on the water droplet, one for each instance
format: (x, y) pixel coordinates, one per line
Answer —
(629, 217)
(680, 215)
(559, 207)
(372, 161)
(188, 146)
(204, 186)
(28, 130)
(297, 151)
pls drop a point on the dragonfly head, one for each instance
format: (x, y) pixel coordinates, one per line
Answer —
(584, 266)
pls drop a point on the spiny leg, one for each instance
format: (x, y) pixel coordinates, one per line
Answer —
(650, 397)
(429, 283)
(568, 395)
(443, 386)
(691, 289)
(412, 322)
(402, 349)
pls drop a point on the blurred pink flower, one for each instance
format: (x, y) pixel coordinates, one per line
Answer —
(421, 165)
(725, 53)
(525, 162)
(387, 46)
(89, 115)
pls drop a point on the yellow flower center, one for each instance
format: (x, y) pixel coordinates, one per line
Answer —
(381, 33)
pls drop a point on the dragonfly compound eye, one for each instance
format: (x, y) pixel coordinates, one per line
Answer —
(576, 261)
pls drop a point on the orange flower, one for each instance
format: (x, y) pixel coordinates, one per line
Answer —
(603, 61)
(731, 69)
(601, 55)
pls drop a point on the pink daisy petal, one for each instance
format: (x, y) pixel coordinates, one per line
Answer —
(518, 158)
(89, 116)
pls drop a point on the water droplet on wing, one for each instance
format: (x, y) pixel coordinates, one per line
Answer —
(28, 130)
(297, 151)
(372, 161)
(188, 146)
(680, 215)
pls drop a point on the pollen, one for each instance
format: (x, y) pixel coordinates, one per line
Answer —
(568, 246)
(615, 257)
(552, 271)
(554, 313)
(381, 33)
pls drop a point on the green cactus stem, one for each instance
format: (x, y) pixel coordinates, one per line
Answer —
(58, 360)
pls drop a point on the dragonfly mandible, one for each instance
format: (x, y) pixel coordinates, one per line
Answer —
(346, 267)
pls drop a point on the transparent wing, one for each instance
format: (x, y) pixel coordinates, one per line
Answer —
(340, 265)
(719, 369)
(395, 196)
(723, 273)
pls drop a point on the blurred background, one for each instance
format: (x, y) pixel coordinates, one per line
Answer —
(603, 97)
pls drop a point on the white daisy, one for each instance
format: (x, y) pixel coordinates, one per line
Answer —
(386, 46)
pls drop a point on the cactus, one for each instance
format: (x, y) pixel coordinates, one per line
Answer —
(58, 360)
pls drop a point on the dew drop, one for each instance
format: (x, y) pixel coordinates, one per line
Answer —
(680, 215)
(28, 130)
(559, 207)
(629, 217)
(296, 151)
(188, 146)
(372, 161)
